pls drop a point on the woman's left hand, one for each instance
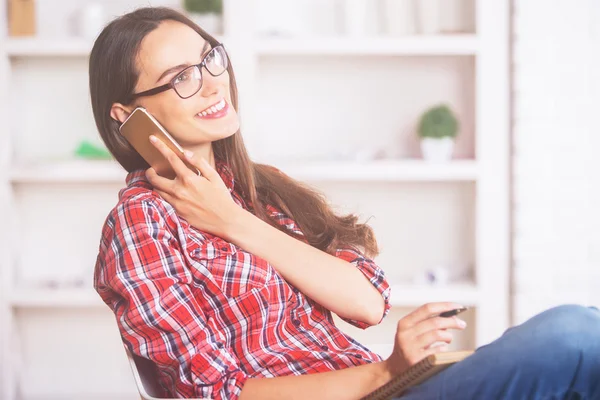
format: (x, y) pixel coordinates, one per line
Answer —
(204, 201)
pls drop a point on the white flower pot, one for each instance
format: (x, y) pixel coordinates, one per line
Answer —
(91, 20)
(437, 150)
(400, 17)
(429, 16)
(210, 22)
(355, 12)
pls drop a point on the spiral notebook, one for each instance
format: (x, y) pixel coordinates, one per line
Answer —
(416, 374)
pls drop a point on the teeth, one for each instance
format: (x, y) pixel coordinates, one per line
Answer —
(217, 107)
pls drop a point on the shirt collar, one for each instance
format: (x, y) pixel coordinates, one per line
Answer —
(138, 177)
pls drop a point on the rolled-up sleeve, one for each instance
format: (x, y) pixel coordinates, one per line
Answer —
(158, 313)
(373, 273)
(368, 267)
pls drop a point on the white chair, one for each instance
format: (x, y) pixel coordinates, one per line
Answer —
(146, 377)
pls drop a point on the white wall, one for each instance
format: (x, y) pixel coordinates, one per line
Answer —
(556, 189)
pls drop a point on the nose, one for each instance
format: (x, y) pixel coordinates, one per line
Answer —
(210, 84)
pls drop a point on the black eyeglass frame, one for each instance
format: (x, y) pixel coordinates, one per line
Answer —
(171, 84)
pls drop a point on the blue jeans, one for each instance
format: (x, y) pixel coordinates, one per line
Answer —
(554, 355)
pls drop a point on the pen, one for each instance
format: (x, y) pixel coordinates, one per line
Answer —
(451, 313)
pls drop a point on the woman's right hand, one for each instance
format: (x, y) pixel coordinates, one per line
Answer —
(419, 330)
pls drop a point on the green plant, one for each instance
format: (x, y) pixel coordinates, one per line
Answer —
(91, 151)
(438, 122)
(203, 6)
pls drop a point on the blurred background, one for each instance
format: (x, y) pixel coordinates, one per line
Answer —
(462, 130)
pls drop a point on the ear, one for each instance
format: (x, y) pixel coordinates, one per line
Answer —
(119, 112)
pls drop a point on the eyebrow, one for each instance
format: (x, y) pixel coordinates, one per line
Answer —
(206, 47)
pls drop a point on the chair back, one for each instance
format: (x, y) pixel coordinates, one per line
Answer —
(145, 375)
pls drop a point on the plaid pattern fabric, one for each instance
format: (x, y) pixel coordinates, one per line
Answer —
(206, 312)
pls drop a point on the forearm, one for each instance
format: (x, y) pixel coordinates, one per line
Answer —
(334, 283)
(349, 383)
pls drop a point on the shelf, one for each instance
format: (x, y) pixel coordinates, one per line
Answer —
(439, 45)
(55, 298)
(35, 47)
(74, 171)
(87, 396)
(383, 170)
(81, 171)
(58, 47)
(407, 295)
(417, 45)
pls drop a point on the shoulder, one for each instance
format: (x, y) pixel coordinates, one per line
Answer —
(138, 208)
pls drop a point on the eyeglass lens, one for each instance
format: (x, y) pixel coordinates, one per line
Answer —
(189, 81)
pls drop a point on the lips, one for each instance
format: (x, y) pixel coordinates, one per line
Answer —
(214, 109)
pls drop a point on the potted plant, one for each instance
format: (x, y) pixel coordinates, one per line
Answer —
(437, 129)
(206, 13)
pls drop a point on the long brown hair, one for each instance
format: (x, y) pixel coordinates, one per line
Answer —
(113, 76)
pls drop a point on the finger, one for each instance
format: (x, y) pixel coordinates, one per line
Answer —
(434, 323)
(192, 161)
(427, 311)
(435, 350)
(173, 159)
(159, 182)
(205, 168)
(167, 197)
(427, 339)
(441, 345)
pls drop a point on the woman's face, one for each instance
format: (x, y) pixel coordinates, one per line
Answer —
(174, 44)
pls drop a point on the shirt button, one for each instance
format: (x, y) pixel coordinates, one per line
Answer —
(359, 356)
(224, 248)
(296, 322)
(324, 347)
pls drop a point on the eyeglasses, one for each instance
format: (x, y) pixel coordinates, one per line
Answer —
(189, 81)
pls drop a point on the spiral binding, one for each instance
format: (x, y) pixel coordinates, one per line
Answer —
(393, 387)
(416, 374)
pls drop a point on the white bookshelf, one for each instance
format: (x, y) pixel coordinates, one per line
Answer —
(55, 47)
(69, 171)
(339, 171)
(435, 45)
(34, 47)
(382, 171)
(403, 295)
(428, 213)
(55, 298)
(414, 295)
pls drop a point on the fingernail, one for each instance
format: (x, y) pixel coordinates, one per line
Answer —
(188, 153)
(461, 323)
(153, 138)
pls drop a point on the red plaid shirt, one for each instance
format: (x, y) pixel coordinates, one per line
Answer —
(208, 313)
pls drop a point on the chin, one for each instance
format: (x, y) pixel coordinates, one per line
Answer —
(225, 131)
(214, 135)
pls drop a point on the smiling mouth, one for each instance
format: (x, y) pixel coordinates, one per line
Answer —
(218, 109)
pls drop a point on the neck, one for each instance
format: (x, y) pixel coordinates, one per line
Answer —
(205, 151)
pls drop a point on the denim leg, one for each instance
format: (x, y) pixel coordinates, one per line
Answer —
(554, 355)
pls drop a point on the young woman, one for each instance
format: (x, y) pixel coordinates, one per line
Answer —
(227, 280)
